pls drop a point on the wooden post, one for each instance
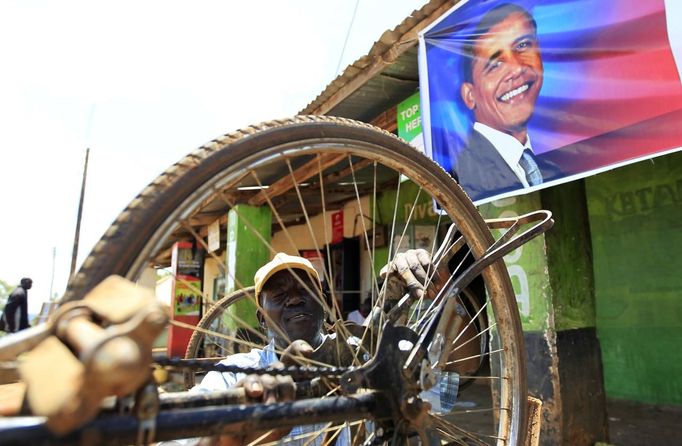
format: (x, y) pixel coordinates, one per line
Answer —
(248, 227)
(553, 281)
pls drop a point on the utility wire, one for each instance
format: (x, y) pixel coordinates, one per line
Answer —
(345, 42)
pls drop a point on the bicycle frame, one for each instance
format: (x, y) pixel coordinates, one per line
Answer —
(198, 422)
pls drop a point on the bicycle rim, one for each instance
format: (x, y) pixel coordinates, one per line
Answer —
(356, 164)
(214, 338)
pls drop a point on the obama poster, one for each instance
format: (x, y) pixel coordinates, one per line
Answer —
(521, 95)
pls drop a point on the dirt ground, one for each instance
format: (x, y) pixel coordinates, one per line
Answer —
(632, 424)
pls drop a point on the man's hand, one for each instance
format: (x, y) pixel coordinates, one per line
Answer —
(415, 271)
(297, 353)
(268, 389)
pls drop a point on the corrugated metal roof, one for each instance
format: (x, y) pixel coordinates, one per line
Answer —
(385, 76)
(398, 81)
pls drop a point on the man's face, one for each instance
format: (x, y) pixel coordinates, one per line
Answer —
(287, 303)
(507, 75)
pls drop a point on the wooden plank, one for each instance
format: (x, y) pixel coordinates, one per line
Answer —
(300, 175)
(328, 182)
(163, 257)
(203, 230)
(358, 166)
(388, 120)
(203, 219)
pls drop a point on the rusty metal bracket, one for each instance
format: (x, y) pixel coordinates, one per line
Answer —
(146, 409)
(90, 349)
(540, 222)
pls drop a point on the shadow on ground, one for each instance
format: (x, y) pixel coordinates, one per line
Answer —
(634, 424)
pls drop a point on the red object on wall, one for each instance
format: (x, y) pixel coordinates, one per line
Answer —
(178, 337)
(187, 267)
(337, 227)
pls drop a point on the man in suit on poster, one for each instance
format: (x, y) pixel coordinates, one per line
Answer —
(502, 77)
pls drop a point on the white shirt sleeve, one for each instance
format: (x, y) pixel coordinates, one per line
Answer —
(226, 380)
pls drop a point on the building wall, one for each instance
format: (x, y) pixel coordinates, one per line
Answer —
(299, 236)
(635, 215)
(213, 268)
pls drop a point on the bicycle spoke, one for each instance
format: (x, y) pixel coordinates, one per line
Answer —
(373, 281)
(429, 274)
(301, 203)
(456, 432)
(391, 252)
(284, 228)
(335, 317)
(278, 351)
(336, 310)
(335, 434)
(215, 334)
(366, 239)
(478, 335)
(474, 356)
(308, 436)
(435, 305)
(472, 411)
(360, 210)
(281, 224)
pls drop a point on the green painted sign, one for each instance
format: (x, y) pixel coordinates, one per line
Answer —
(409, 118)
(527, 265)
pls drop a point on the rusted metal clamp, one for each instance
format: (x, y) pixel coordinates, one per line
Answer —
(90, 349)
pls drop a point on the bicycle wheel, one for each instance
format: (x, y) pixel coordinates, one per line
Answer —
(301, 169)
(215, 335)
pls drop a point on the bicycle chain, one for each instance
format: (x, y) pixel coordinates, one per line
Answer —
(297, 373)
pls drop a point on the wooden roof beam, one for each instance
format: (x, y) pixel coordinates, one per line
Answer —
(300, 175)
(387, 120)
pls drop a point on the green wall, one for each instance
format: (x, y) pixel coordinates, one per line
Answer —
(636, 225)
(414, 205)
(569, 256)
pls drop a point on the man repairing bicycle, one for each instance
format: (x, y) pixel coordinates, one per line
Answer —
(288, 290)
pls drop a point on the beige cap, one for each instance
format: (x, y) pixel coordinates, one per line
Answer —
(278, 263)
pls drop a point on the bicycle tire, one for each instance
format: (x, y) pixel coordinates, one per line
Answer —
(125, 248)
(195, 346)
